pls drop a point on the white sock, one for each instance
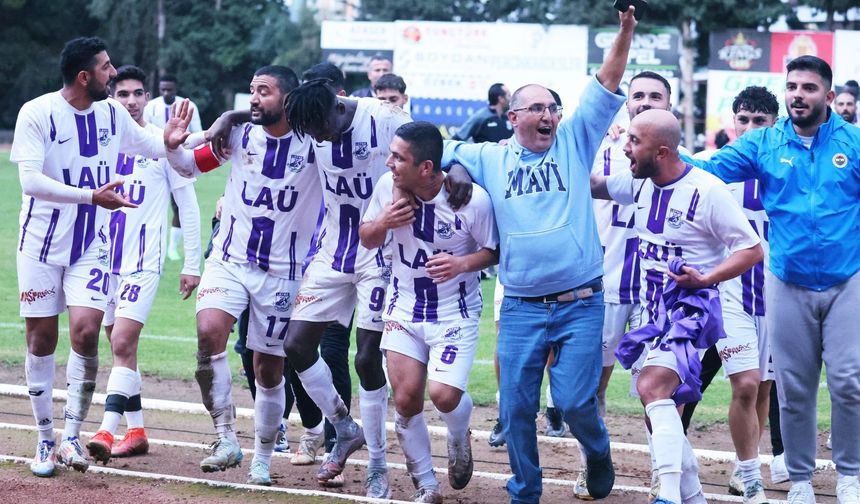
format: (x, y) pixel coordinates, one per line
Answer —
(40, 381)
(314, 431)
(81, 379)
(373, 405)
(175, 238)
(457, 419)
(750, 470)
(317, 382)
(497, 398)
(667, 435)
(690, 484)
(215, 380)
(268, 410)
(549, 403)
(133, 409)
(845, 479)
(122, 382)
(415, 442)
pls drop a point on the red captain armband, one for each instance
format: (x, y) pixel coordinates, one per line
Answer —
(205, 159)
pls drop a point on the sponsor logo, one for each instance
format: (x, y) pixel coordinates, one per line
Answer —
(726, 353)
(282, 301)
(740, 52)
(452, 334)
(297, 163)
(303, 299)
(35, 393)
(96, 299)
(104, 138)
(31, 296)
(376, 320)
(219, 291)
(674, 219)
(273, 344)
(63, 141)
(104, 256)
(360, 151)
(391, 326)
(444, 230)
(441, 370)
(788, 161)
(840, 160)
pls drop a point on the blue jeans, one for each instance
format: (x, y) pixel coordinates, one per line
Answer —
(528, 330)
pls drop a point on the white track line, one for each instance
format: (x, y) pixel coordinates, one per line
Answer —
(20, 391)
(402, 467)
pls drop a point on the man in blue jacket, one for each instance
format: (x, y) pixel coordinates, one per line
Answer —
(808, 168)
(551, 265)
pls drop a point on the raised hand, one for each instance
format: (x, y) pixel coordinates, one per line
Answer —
(176, 129)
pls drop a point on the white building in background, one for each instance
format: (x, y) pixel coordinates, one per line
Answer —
(327, 10)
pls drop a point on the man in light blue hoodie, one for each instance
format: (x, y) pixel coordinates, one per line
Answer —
(551, 265)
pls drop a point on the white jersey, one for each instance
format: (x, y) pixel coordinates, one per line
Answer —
(615, 227)
(412, 295)
(139, 235)
(158, 113)
(349, 171)
(693, 217)
(271, 202)
(78, 148)
(747, 290)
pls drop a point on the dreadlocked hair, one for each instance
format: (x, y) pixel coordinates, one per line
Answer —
(308, 106)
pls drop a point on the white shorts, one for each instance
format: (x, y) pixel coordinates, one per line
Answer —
(46, 289)
(327, 295)
(616, 320)
(746, 345)
(498, 297)
(447, 347)
(232, 287)
(132, 296)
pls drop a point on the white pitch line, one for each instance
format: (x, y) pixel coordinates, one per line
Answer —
(402, 467)
(20, 391)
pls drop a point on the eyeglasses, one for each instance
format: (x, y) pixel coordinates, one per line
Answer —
(538, 109)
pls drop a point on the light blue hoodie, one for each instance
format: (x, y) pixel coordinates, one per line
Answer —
(542, 200)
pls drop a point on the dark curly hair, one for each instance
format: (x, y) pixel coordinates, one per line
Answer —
(308, 106)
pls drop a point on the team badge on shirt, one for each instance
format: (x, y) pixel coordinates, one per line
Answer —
(104, 139)
(674, 219)
(104, 259)
(297, 163)
(361, 151)
(840, 160)
(443, 229)
(282, 301)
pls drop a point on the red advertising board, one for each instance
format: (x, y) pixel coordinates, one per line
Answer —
(785, 46)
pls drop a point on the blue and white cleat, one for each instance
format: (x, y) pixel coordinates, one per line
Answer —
(44, 463)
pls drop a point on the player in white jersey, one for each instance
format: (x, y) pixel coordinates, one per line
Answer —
(680, 212)
(743, 297)
(66, 144)
(268, 219)
(433, 304)
(351, 140)
(138, 237)
(157, 112)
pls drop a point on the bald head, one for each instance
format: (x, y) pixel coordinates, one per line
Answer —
(652, 146)
(660, 127)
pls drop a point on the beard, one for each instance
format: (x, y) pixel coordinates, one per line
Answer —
(645, 168)
(848, 115)
(266, 118)
(815, 114)
(96, 92)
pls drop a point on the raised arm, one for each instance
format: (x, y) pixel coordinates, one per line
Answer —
(612, 70)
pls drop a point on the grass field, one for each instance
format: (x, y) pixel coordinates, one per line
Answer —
(168, 345)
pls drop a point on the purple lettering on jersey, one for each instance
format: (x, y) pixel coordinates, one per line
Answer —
(141, 248)
(616, 220)
(88, 142)
(628, 291)
(53, 128)
(659, 207)
(396, 294)
(293, 237)
(260, 241)
(752, 198)
(606, 164)
(117, 235)
(26, 223)
(84, 231)
(246, 135)
(373, 140)
(426, 300)
(228, 240)
(752, 284)
(461, 301)
(653, 294)
(275, 162)
(112, 119)
(347, 239)
(341, 153)
(694, 203)
(49, 235)
(425, 218)
(124, 164)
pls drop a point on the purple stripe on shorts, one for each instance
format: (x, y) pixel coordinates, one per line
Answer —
(141, 248)
(49, 235)
(26, 223)
(117, 236)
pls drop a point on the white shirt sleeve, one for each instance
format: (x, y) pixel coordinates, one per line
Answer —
(621, 187)
(382, 194)
(727, 220)
(40, 186)
(189, 216)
